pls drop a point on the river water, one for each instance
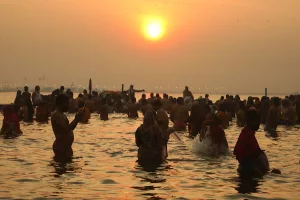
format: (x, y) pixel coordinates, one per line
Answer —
(104, 166)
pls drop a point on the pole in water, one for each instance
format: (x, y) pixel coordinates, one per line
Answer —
(266, 92)
(122, 87)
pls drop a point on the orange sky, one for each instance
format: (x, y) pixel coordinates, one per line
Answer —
(240, 44)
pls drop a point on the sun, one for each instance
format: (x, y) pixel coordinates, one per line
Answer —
(154, 29)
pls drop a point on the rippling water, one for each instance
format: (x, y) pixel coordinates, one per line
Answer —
(104, 166)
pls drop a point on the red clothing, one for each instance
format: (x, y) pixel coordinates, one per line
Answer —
(10, 118)
(247, 145)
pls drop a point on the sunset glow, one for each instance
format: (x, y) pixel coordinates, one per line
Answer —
(154, 29)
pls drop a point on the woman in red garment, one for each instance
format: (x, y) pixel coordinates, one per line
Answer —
(10, 125)
(247, 151)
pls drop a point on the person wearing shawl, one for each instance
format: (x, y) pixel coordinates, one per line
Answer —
(247, 150)
(150, 140)
(10, 125)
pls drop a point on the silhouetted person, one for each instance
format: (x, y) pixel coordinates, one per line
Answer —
(63, 130)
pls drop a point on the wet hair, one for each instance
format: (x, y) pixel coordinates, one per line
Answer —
(61, 99)
(252, 116)
(180, 100)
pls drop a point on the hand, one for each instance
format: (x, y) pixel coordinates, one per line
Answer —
(79, 114)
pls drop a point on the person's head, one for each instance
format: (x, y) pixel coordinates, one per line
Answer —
(7, 111)
(62, 102)
(151, 95)
(222, 98)
(276, 102)
(84, 91)
(210, 103)
(206, 96)
(156, 104)
(80, 95)
(157, 96)
(26, 88)
(131, 87)
(180, 101)
(19, 93)
(149, 118)
(165, 96)
(186, 88)
(37, 88)
(62, 88)
(253, 119)
(227, 96)
(133, 100)
(143, 96)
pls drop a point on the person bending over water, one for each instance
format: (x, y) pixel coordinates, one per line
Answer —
(150, 140)
(63, 130)
(179, 115)
(212, 139)
(133, 108)
(252, 160)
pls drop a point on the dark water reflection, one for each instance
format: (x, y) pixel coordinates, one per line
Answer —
(104, 166)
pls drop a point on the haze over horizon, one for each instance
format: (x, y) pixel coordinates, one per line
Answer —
(243, 46)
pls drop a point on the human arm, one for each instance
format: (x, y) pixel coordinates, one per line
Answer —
(139, 90)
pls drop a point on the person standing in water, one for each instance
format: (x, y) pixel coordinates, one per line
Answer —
(133, 108)
(273, 117)
(131, 91)
(26, 94)
(252, 160)
(63, 130)
(179, 115)
(150, 140)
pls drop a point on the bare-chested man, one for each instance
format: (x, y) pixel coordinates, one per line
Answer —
(133, 108)
(63, 130)
(273, 117)
(131, 91)
(179, 115)
(166, 103)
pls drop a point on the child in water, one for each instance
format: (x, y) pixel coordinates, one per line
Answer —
(252, 160)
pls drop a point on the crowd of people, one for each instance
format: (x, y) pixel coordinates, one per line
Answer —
(201, 117)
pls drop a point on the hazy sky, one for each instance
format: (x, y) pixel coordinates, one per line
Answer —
(243, 45)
